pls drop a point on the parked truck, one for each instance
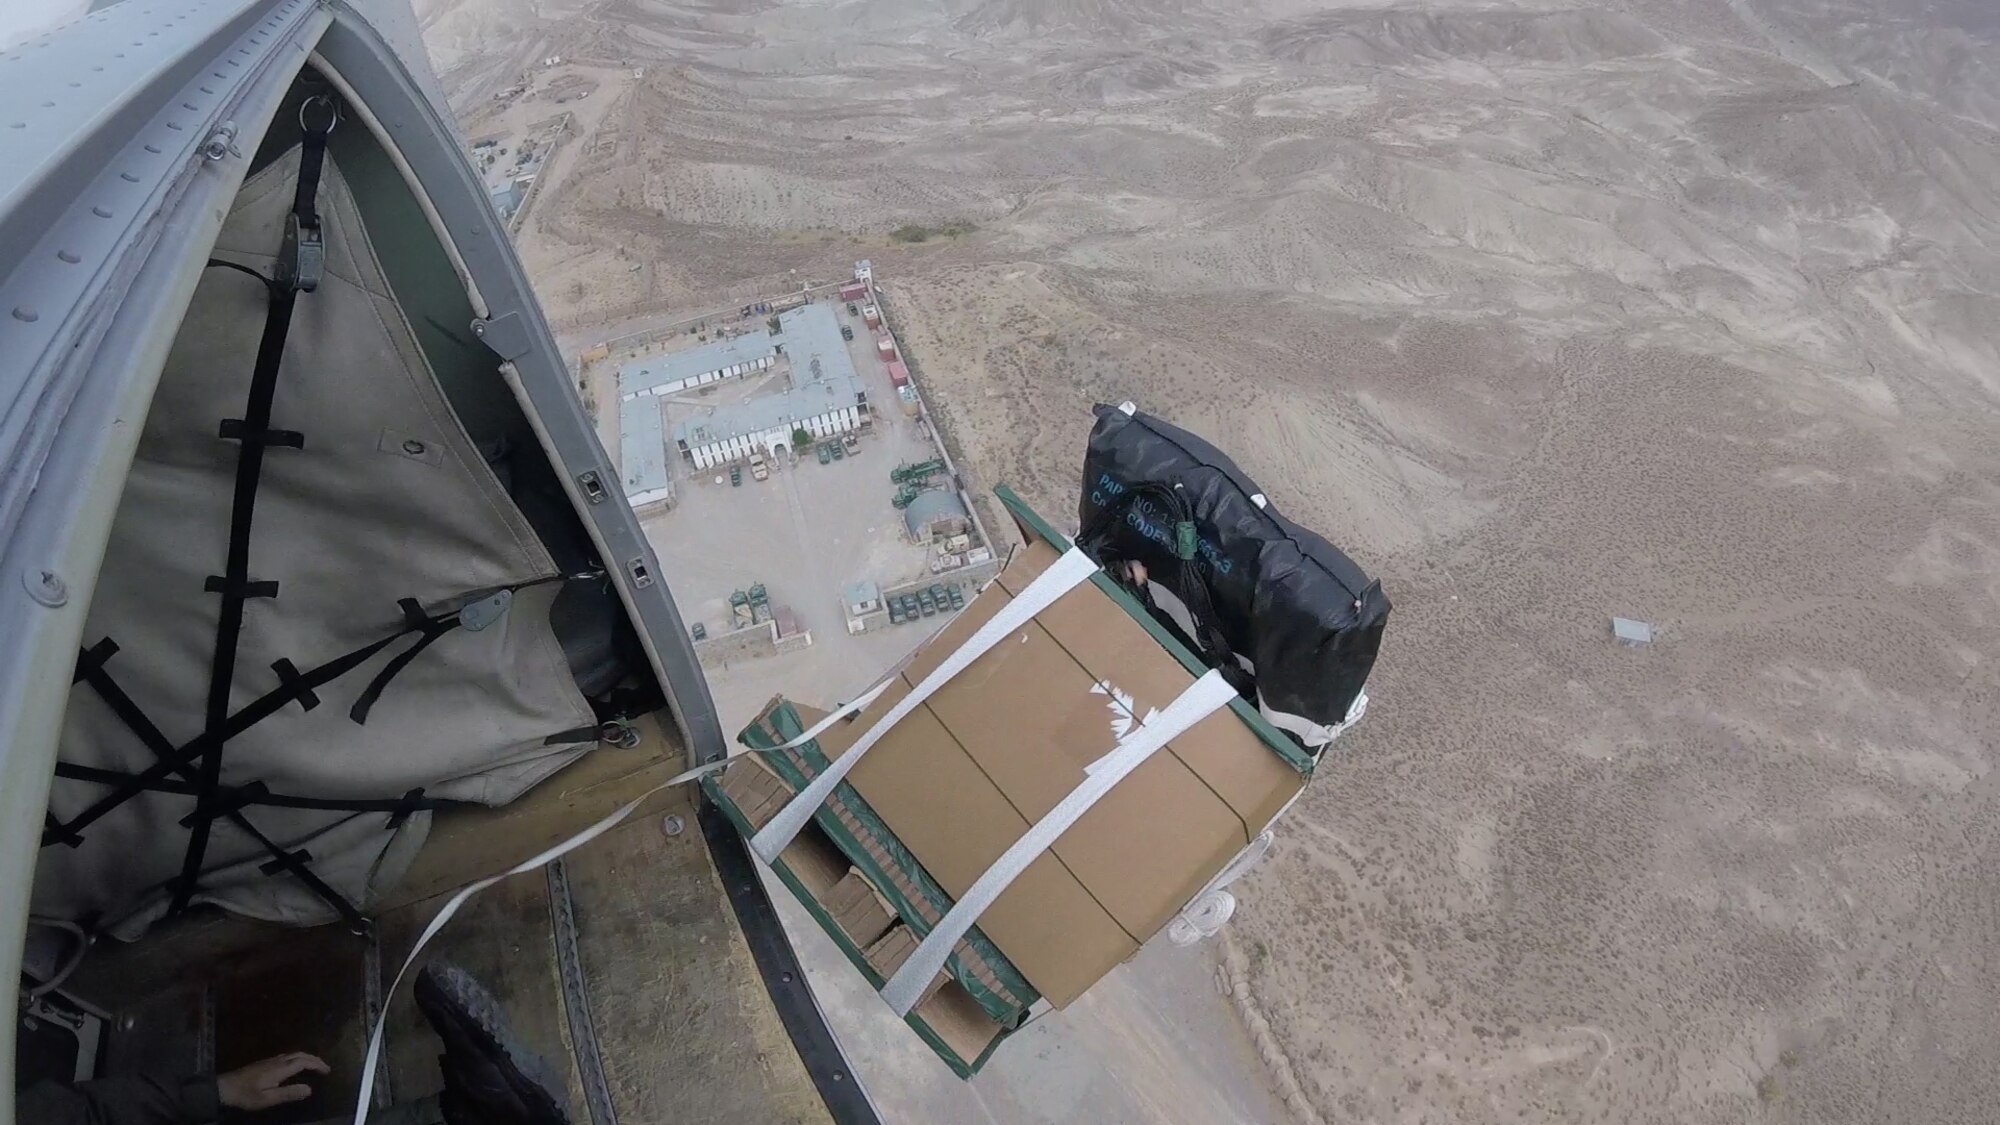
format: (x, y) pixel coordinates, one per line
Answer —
(758, 468)
(916, 473)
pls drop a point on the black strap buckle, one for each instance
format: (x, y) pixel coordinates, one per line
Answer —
(302, 258)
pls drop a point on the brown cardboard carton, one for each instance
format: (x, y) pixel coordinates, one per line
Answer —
(957, 822)
(858, 910)
(1224, 753)
(1033, 719)
(967, 773)
(852, 911)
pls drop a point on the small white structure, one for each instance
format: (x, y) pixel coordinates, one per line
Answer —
(862, 597)
(1632, 632)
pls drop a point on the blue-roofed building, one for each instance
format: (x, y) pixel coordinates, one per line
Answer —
(506, 198)
(827, 397)
(642, 456)
(692, 367)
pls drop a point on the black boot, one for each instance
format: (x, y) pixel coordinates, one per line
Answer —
(489, 1077)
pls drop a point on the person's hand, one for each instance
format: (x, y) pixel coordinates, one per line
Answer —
(262, 1084)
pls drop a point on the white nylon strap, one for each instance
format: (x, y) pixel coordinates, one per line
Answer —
(1202, 698)
(1071, 570)
(817, 729)
(1068, 572)
(451, 907)
(362, 1097)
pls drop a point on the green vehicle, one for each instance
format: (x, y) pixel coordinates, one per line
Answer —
(699, 631)
(905, 495)
(824, 456)
(957, 597)
(895, 612)
(927, 603)
(839, 454)
(910, 609)
(916, 473)
(736, 476)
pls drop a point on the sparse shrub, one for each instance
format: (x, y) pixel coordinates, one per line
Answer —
(913, 232)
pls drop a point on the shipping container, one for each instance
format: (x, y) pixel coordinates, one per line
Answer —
(886, 348)
(899, 374)
(854, 291)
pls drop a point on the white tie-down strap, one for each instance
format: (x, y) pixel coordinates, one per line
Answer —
(451, 906)
(1209, 911)
(1203, 698)
(859, 703)
(362, 1097)
(1314, 735)
(1070, 571)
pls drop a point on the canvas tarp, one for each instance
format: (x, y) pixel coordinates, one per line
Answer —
(387, 499)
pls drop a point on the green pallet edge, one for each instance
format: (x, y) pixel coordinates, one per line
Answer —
(787, 726)
(711, 787)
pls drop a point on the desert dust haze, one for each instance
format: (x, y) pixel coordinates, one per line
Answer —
(1682, 310)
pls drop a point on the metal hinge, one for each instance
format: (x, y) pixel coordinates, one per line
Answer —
(505, 335)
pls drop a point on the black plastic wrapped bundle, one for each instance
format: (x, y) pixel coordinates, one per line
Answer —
(1293, 621)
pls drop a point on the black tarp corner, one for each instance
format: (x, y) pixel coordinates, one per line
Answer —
(1293, 620)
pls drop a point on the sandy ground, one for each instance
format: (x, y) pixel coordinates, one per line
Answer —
(1674, 310)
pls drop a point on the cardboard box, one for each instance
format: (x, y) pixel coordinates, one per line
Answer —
(855, 914)
(966, 774)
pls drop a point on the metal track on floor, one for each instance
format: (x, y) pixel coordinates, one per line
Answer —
(576, 999)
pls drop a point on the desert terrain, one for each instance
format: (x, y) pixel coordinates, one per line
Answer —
(1682, 310)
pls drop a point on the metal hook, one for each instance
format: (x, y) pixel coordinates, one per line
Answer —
(326, 102)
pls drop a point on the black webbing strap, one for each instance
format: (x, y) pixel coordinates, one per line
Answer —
(252, 795)
(312, 154)
(293, 687)
(254, 434)
(226, 799)
(574, 735)
(288, 675)
(286, 859)
(54, 832)
(411, 802)
(428, 629)
(233, 429)
(252, 713)
(90, 668)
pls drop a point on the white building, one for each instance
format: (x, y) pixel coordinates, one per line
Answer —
(827, 398)
(642, 456)
(692, 367)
